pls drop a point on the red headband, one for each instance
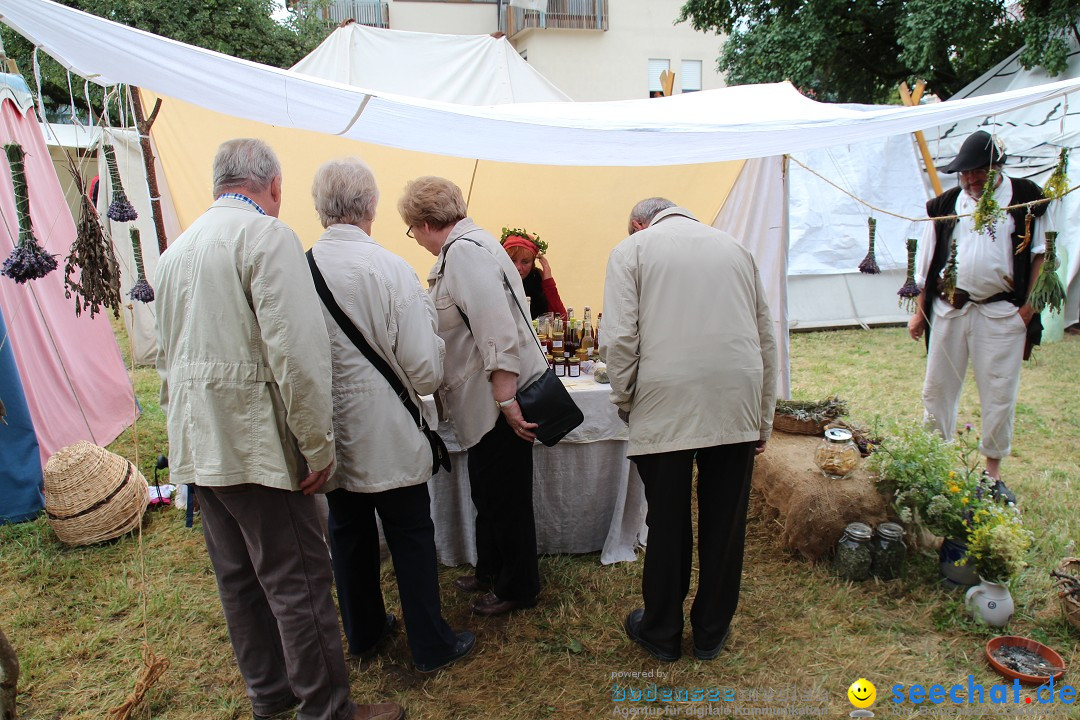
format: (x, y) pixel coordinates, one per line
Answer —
(518, 241)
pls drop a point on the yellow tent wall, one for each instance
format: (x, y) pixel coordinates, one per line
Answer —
(580, 212)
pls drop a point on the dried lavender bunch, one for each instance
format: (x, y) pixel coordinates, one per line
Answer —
(28, 260)
(120, 209)
(1048, 292)
(869, 263)
(909, 291)
(93, 257)
(141, 290)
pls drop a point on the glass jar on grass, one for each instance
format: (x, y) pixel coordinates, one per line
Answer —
(837, 456)
(888, 551)
(854, 558)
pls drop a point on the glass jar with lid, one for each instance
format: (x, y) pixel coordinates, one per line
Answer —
(853, 557)
(888, 551)
(837, 456)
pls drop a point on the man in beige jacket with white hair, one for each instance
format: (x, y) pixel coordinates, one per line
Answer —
(690, 350)
(244, 360)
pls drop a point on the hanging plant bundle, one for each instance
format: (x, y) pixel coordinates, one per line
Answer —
(948, 278)
(1058, 183)
(1048, 291)
(141, 290)
(28, 260)
(987, 210)
(120, 209)
(869, 263)
(1025, 242)
(93, 257)
(909, 291)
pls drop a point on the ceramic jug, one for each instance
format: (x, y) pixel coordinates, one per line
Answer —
(990, 602)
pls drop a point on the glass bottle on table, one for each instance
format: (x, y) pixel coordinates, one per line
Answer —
(588, 336)
(557, 337)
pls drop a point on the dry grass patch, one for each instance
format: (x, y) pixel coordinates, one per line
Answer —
(75, 615)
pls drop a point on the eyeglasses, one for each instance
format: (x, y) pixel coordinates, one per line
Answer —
(408, 233)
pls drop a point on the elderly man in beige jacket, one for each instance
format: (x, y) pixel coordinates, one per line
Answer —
(692, 360)
(244, 361)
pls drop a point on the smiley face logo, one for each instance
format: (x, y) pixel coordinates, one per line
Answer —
(862, 693)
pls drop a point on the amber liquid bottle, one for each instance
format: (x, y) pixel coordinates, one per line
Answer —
(588, 337)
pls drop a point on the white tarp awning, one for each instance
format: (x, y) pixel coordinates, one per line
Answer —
(716, 125)
(465, 69)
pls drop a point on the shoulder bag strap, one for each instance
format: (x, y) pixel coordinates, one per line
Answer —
(506, 282)
(361, 342)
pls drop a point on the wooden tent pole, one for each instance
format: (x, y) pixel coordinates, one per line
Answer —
(144, 124)
(911, 99)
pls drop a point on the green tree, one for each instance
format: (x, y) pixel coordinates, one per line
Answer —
(859, 51)
(241, 28)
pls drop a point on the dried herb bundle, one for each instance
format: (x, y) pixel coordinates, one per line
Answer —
(869, 263)
(1058, 182)
(92, 255)
(1048, 292)
(909, 291)
(830, 408)
(28, 260)
(141, 290)
(987, 210)
(948, 278)
(120, 209)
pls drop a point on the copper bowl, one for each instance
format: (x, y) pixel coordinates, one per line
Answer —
(1049, 655)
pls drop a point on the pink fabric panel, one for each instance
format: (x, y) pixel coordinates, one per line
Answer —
(76, 385)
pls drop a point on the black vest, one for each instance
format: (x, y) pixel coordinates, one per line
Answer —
(1024, 191)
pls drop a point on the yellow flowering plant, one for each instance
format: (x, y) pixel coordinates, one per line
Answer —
(998, 542)
(934, 483)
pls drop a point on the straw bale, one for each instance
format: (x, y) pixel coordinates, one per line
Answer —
(813, 509)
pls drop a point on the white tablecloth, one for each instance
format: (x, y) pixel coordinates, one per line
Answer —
(587, 495)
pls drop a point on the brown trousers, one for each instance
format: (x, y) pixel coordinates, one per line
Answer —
(273, 575)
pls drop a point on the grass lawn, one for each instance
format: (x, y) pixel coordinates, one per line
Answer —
(78, 616)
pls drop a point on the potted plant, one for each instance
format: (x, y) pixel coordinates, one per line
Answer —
(936, 485)
(997, 545)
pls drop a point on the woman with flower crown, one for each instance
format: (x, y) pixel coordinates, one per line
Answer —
(525, 250)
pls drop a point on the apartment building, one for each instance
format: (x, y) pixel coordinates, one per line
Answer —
(590, 49)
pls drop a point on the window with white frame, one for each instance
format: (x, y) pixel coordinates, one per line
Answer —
(657, 67)
(691, 75)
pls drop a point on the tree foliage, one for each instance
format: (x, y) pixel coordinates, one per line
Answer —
(859, 51)
(241, 28)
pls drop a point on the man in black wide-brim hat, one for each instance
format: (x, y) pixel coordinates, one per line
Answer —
(986, 318)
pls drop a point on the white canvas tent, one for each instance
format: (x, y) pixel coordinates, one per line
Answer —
(1032, 135)
(214, 95)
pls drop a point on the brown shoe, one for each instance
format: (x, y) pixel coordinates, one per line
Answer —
(471, 583)
(379, 711)
(491, 604)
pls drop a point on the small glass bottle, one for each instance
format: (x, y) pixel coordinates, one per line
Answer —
(853, 558)
(888, 551)
(573, 366)
(550, 360)
(837, 456)
(560, 366)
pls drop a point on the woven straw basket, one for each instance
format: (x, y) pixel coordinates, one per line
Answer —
(1070, 566)
(789, 424)
(92, 495)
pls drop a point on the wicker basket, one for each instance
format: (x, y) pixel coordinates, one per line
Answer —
(1071, 606)
(789, 424)
(92, 495)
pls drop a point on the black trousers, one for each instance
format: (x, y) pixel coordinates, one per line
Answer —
(501, 483)
(354, 543)
(723, 491)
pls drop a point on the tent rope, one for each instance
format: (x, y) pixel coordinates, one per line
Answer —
(810, 170)
(153, 666)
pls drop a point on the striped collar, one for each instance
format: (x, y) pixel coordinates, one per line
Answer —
(242, 198)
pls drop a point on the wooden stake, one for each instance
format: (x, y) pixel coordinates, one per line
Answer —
(667, 82)
(144, 124)
(911, 99)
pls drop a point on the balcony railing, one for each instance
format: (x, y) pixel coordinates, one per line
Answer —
(561, 15)
(365, 12)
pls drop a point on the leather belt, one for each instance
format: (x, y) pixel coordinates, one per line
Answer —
(963, 297)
